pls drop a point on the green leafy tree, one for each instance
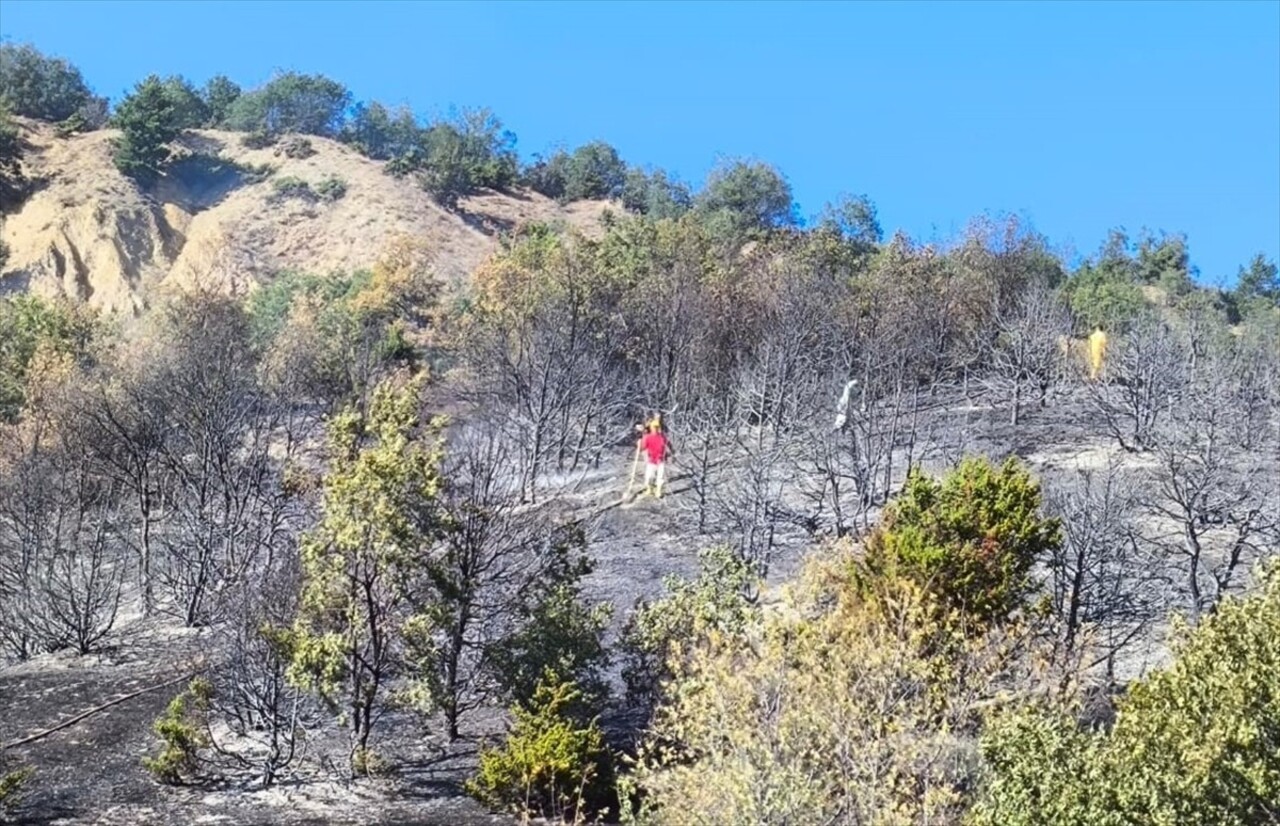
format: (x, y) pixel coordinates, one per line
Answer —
(554, 762)
(363, 563)
(1258, 286)
(461, 155)
(37, 86)
(1198, 742)
(547, 176)
(971, 537)
(854, 220)
(148, 122)
(219, 95)
(744, 197)
(29, 324)
(381, 134)
(189, 109)
(654, 194)
(557, 629)
(292, 102)
(594, 170)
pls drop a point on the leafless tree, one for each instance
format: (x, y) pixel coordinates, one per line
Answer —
(1144, 377)
(268, 715)
(61, 562)
(1217, 505)
(1108, 589)
(1024, 350)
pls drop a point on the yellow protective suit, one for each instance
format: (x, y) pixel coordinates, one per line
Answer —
(1097, 352)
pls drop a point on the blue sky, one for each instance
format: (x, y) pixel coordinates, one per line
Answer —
(1081, 116)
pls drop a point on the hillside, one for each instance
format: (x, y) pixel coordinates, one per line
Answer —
(88, 232)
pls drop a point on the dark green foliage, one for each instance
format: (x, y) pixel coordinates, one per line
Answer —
(546, 176)
(971, 538)
(558, 629)
(258, 140)
(655, 195)
(1105, 291)
(291, 187)
(554, 763)
(1163, 262)
(854, 220)
(296, 147)
(292, 102)
(37, 86)
(13, 184)
(331, 189)
(744, 197)
(1257, 288)
(219, 95)
(189, 109)
(148, 122)
(594, 170)
(184, 732)
(379, 134)
(1198, 742)
(458, 157)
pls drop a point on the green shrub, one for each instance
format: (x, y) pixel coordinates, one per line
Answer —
(258, 140)
(296, 147)
(715, 601)
(12, 782)
(29, 324)
(331, 189)
(553, 764)
(971, 538)
(184, 730)
(1196, 743)
(293, 187)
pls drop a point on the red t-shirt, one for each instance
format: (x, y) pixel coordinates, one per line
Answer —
(655, 444)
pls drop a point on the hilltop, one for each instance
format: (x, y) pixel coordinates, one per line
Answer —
(90, 233)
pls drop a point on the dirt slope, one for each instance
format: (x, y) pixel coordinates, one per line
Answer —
(89, 233)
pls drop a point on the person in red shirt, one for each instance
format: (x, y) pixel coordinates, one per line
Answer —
(656, 448)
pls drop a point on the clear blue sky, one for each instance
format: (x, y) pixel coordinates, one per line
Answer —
(1079, 115)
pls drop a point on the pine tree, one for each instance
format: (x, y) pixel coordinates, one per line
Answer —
(148, 122)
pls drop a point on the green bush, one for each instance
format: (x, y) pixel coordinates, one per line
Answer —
(377, 133)
(1196, 743)
(715, 601)
(36, 86)
(29, 324)
(13, 184)
(554, 764)
(296, 147)
(293, 187)
(594, 170)
(12, 782)
(970, 538)
(184, 731)
(331, 189)
(258, 139)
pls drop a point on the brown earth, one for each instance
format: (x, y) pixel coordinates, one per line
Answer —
(89, 233)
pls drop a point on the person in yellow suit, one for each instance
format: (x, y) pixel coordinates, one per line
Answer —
(1097, 351)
